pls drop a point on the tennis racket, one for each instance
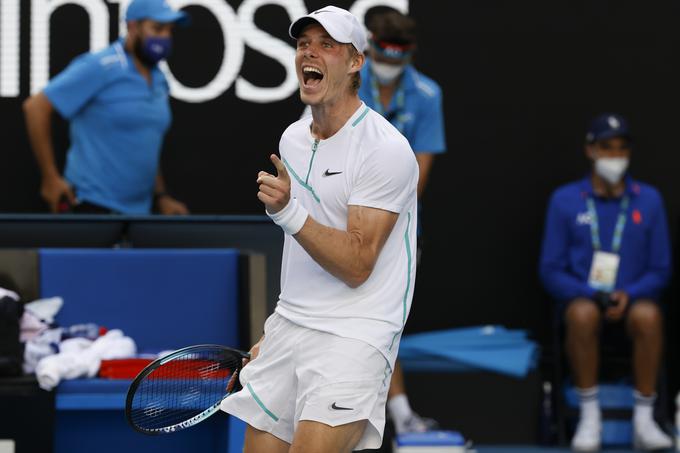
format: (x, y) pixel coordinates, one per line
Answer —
(183, 388)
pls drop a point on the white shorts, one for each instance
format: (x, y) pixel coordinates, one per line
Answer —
(305, 374)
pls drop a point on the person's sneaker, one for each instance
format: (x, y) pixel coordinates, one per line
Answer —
(588, 436)
(648, 437)
(417, 424)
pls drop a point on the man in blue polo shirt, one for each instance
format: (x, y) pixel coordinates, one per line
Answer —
(116, 101)
(392, 86)
(411, 102)
(606, 257)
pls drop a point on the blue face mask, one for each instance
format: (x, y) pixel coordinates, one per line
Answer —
(155, 49)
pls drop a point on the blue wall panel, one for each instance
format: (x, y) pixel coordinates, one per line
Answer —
(162, 299)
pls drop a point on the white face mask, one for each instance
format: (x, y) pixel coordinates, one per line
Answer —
(611, 168)
(386, 73)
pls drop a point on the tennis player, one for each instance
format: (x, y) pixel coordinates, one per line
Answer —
(344, 193)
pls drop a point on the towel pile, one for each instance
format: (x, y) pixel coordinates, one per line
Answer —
(81, 357)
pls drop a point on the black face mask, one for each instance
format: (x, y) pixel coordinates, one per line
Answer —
(138, 49)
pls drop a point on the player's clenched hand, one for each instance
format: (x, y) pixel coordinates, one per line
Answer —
(254, 351)
(274, 191)
(232, 381)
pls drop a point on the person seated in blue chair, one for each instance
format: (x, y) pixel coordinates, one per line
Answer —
(606, 257)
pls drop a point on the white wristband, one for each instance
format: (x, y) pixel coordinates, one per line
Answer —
(291, 218)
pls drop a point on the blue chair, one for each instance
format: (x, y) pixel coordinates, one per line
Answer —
(615, 387)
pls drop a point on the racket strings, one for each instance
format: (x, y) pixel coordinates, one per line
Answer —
(182, 389)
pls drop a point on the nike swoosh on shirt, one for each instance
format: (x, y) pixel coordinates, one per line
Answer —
(331, 173)
(340, 408)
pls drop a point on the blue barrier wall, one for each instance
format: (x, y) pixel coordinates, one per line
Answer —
(163, 299)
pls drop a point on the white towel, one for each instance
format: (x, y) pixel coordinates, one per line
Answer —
(81, 357)
(39, 347)
(68, 364)
(31, 326)
(45, 309)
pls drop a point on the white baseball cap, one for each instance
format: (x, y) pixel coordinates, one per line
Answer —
(342, 25)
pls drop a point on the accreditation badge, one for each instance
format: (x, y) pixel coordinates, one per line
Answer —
(603, 271)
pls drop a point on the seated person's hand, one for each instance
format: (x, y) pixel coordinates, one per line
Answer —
(616, 311)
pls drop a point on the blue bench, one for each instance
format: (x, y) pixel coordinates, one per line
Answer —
(163, 299)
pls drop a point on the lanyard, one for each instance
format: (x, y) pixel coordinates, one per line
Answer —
(393, 117)
(618, 231)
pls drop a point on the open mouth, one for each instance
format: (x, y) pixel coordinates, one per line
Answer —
(311, 76)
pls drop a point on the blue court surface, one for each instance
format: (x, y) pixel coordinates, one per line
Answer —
(536, 449)
(454, 441)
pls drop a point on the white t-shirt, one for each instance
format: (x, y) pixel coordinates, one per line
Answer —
(366, 163)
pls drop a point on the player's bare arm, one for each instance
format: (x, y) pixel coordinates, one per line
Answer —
(348, 255)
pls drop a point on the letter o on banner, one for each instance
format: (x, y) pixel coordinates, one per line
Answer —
(231, 61)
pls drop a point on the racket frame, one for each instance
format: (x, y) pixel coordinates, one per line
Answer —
(132, 390)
